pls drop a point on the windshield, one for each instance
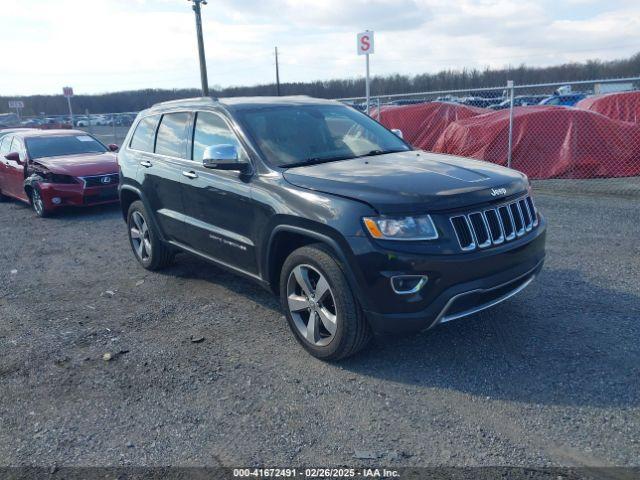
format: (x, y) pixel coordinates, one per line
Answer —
(291, 136)
(59, 145)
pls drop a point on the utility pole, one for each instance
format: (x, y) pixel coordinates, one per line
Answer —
(203, 62)
(70, 110)
(277, 75)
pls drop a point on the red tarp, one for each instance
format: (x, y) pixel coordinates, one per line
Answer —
(422, 124)
(549, 142)
(623, 106)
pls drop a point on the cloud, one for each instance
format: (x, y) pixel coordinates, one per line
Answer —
(332, 14)
(107, 45)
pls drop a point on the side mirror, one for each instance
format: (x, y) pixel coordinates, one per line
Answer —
(113, 147)
(397, 132)
(14, 157)
(223, 157)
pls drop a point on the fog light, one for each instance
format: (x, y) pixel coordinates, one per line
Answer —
(56, 200)
(408, 284)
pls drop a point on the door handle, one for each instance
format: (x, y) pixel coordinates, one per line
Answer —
(146, 164)
(191, 175)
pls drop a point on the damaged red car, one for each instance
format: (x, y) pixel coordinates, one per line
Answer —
(57, 168)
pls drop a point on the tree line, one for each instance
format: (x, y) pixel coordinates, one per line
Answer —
(132, 101)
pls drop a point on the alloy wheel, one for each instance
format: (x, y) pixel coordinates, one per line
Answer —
(38, 204)
(312, 305)
(140, 236)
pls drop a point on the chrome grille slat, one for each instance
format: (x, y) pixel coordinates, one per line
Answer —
(518, 221)
(506, 219)
(532, 209)
(493, 219)
(480, 229)
(525, 215)
(494, 226)
(462, 228)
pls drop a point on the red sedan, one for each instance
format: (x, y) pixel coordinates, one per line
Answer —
(57, 168)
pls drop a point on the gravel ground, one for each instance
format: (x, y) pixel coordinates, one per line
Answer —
(549, 378)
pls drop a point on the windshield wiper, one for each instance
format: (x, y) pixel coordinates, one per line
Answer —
(316, 161)
(378, 152)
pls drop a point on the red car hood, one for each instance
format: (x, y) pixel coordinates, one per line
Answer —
(81, 165)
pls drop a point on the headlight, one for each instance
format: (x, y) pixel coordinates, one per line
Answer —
(401, 228)
(56, 178)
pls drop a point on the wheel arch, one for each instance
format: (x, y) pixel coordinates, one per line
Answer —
(129, 194)
(284, 239)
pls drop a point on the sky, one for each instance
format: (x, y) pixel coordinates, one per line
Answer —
(99, 46)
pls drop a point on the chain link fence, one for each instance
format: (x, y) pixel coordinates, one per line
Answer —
(106, 127)
(566, 136)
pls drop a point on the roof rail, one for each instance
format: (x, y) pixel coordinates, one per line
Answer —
(187, 101)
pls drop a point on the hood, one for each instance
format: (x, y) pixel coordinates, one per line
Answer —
(81, 165)
(407, 182)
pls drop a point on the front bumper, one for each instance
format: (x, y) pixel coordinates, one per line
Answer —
(459, 284)
(76, 195)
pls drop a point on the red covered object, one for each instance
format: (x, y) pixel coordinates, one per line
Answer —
(549, 142)
(422, 124)
(623, 106)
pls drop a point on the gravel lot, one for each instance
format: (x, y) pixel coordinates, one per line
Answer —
(548, 378)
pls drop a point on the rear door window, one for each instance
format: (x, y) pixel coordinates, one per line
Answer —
(172, 135)
(145, 134)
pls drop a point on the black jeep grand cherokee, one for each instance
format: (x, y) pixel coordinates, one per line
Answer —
(356, 231)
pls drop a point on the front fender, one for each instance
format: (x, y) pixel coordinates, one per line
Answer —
(336, 243)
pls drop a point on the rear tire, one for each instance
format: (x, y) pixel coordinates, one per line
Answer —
(314, 291)
(37, 203)
(144, 239)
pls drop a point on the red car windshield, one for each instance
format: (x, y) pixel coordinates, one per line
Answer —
(61, 145)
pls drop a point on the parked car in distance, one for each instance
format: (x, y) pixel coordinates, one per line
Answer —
(31, 122)
(480, 102)
(519, 101)
(354, 230)
(565, 100)
(408, 101)
(56, 168)
(82, 121)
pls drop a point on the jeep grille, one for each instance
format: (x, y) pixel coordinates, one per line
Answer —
(493, 226)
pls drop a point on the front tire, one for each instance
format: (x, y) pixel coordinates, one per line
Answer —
(145, 241)
(38, 204)
(320, 306)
